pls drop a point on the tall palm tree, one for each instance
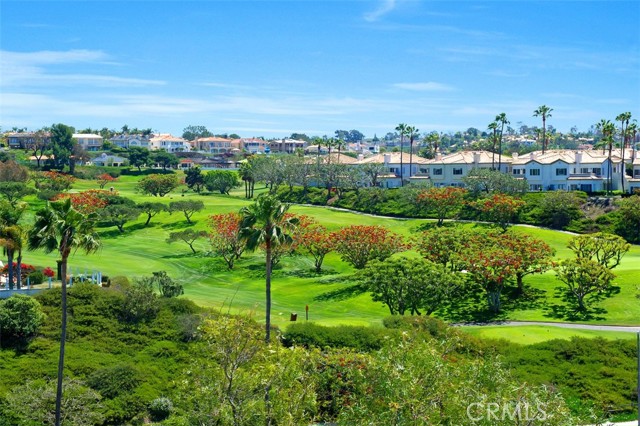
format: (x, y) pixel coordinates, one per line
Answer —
(624, 121)
(632, 131)
(60, 227)
(502, 119)
(544, 112)
(264, 223)
(493, 126)
(11, 242)
(402, 129)
(412, 132)
(607, 130)
(340, 143)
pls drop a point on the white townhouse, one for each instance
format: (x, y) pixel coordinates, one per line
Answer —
(254, 145)
(88, 141)
(584, 170)
(633, 182)
(127, 141)
(411, 166)
(448, 170)
(169, 143)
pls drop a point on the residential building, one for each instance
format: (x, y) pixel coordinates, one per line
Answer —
(22, 140)
(126, 141)
(89, 141)
(449, 170)
(287, 145)
(169, 143)
(634, 180)
(392, 163)
(255, 145)
(217, 145)
(108, 160)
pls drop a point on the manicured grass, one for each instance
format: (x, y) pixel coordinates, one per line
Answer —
(331, 296)
(530, 334)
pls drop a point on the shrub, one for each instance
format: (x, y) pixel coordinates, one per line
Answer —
(140, 303)
(113, 381)
(313, 335)
(36, 277)
(160, 409)
(20, 316)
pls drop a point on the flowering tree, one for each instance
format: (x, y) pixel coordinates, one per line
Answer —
(500, 209)
(358, 244)
(443, 245)
(444, 201)
(224, 235)
(314, 239)
(534, 256)
(53, 181)
(104, 179)
(85, 202)
(158, 185)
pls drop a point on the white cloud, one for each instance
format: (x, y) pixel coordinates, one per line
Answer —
(384, 7)
(429, 86)
(44, 57)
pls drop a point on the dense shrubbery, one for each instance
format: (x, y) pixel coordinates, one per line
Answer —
(343, 336)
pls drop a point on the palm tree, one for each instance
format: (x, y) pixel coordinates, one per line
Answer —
(544, 112)
(402, 129)
(61, 227)
(494, 127)
(502, 119)
(607, 130)
(632, 131)
(412, 132)
(624, 121)
(340, 143)
(245, 171)
(265, 223)
(11, 241)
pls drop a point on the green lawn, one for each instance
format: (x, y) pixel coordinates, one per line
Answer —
(530, 334)
(142, 250)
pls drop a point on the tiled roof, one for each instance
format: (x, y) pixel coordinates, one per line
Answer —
(469, 157)
(394, 158)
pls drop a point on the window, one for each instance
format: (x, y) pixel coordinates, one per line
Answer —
(562, 187)
(585, 170)
(534, 172)
(518, 171)
(457, 171)
(636, 172)
(561, 172)
(597, 171)
(535, 187)
(437, 172)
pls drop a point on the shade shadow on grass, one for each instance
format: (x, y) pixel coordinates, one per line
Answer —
(308, 273)
(178, 225)
(341, 293)
(569, 309)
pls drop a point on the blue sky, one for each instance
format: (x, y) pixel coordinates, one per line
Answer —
(267, 68)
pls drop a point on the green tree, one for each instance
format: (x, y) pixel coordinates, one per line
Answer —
(20, 316)
(263, 223)
(246, 174)
(62, 144)
(557, 209)
(167, 287)
(119, 214)
(60, 227)
(412, 285)
(605, 249)
(544, 112)
(188, 236)
(444, 246)
(158, 185)
(479, 181)
(502, 120)
(194, 179)
(138, 157)
(187, 207)
(628, 225)
(192, 132)
(151, 209)
(584, 277)
(402, 129)
(10, 171)
(221, 180)
(166, 160)
(624, 119)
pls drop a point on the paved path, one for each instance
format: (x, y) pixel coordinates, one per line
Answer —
(629, 329)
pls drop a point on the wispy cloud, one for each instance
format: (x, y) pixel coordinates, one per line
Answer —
(45, 57)
(384, 7)
(429, 86)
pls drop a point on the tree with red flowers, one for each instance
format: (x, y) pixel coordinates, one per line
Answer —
(104, 179)
(224, 236)
(53, 181)
(443, 245)
(500, 209)
(358, 244)
(314, 240)
(85, 202)
(534, 256)
(444, 202)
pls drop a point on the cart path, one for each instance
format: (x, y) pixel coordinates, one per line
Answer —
(628, 329)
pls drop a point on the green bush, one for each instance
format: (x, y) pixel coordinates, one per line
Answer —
(114, 381)
(160, 409)
(20, 316)
(36, 277)
(343, 336)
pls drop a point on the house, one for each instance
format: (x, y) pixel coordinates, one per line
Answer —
(126, 141)
(26, 140)
(217, 145)
(411, 166)
(449, 170)
(108, 160)
(255, 145)
(286, 145)
(89, 141)
(634, 180)
(169, 143)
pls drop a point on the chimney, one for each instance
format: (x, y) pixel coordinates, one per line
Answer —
(360, 157)
(387, 158)
(532, 155)
(476, 158)
(514, 155)
(438, 156)
(578, 158)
